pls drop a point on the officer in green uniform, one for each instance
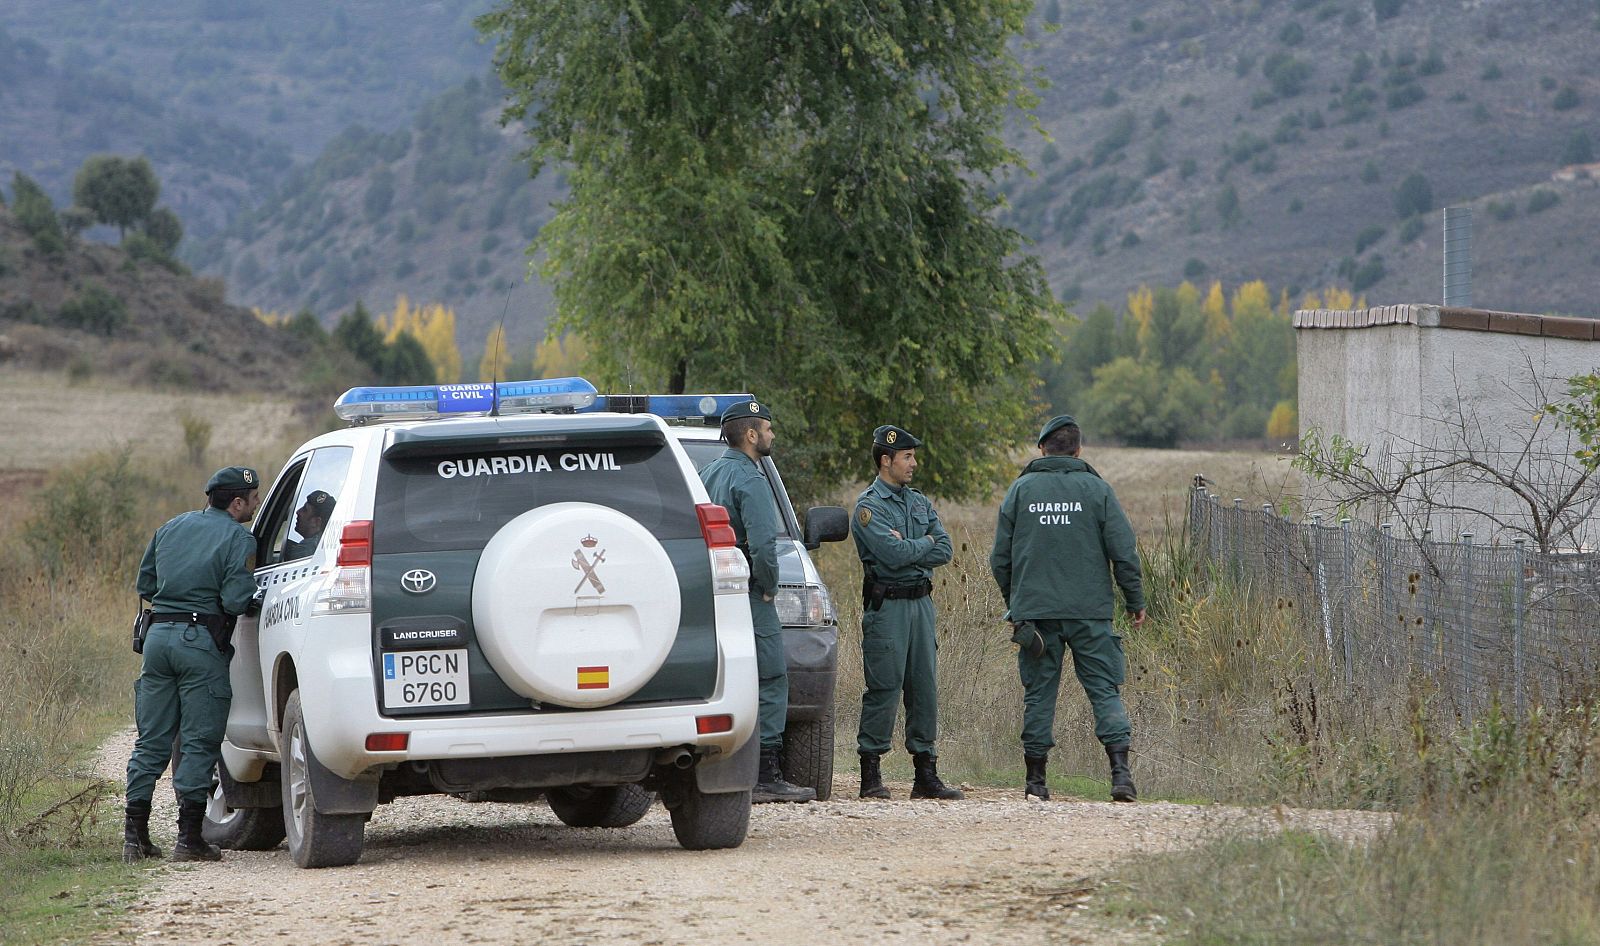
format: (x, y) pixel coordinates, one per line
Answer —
(736, 482)
(900, 541)
(1060, 537)
(197, 577)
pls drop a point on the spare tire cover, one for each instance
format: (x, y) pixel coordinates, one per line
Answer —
(575, 604)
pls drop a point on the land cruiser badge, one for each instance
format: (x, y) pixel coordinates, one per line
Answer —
(587, 565)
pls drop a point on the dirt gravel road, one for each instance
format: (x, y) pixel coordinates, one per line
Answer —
(436, 871)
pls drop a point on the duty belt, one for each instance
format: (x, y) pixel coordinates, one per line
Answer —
(184, 617)
(874, 594)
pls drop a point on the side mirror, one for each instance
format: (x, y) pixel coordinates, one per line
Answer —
(826, 524)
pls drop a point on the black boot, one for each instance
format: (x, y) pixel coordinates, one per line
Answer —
(770, 785)
(927, 783)
(872, 777)
(1036, 785)
(136, 844)
(191, 844)
(1121, 776)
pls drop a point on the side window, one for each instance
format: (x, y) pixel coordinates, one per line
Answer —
(273, 521)
(316, 500)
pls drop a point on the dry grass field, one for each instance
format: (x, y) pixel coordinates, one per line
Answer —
(52, 422)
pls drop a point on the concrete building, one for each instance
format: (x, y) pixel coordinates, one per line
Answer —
(1431, 388)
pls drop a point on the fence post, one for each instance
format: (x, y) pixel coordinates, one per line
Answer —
(1518, 614)
(1466, 627)
(1384, 567)
(1430, 628)
(1268, 526)
(1348, 586)
(1319, 583)
(1238, 541)
(1196, 502)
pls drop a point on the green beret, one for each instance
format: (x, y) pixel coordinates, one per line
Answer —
(743, 409)
(319, 502)
(1056, 423)
(233, 477)
(891, 437)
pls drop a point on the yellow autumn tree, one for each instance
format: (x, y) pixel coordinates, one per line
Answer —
(1252, 298)
(1215, 309)
(1335, 298)
(1141, 306)
(562, 357)
(1283, 424)
(496, 356)
(434, 327)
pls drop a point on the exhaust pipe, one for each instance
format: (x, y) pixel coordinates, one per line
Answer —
(677, 758)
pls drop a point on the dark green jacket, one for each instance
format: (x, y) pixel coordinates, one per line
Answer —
(1060, 536)
(199, 561)
(923, 543)
(737, 484)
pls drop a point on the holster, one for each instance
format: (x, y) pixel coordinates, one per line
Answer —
(872, 593)
(141, 628)
(1028, 638)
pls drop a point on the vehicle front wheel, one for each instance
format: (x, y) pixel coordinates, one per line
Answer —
(239, 829)
(609, 806)
(315, 839)
(808, 754)
(703, 821)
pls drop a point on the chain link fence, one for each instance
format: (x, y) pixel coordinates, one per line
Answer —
(1480, 621)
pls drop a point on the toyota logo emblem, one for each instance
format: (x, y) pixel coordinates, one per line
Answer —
(418, 581)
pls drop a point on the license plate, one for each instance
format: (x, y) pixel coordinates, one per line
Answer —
(425, 678)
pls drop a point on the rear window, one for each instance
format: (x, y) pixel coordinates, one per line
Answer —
(458, 500)
(702, 452)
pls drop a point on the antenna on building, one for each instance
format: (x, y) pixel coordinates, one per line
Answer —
(1458, 256)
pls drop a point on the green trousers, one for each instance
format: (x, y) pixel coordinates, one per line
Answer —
(772, 667)
(1097, 660)
(183, 692)
(899, 661)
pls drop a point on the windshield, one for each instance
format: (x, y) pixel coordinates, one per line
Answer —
(702, 452)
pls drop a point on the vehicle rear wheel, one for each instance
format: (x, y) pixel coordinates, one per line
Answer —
(315, 839)
(703, 821)
(239, 829)
(808, 754)
(609, 806)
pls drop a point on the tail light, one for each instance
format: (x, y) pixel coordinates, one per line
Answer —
(349, 588)
(730, 572)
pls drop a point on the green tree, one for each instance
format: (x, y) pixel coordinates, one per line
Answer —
(120, 191)
(1413, 196)
(1142, 404)
(358, 336)
(36, 212)
(792, 199)
(164, 228)
(405, 361)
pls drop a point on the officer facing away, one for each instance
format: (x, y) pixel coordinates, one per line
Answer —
(1060, 536)
(736, 482)
(196, 574)
(900, 541)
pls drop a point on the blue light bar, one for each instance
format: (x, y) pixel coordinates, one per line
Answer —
(422, 401)
(706, 407)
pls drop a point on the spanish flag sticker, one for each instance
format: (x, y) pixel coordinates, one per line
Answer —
(594, 678)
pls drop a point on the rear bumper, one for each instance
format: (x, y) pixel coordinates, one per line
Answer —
(338, 696)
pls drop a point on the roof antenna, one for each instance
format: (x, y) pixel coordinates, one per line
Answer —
(494, 361)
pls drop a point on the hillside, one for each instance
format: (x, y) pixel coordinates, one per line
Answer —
(1219, 140)
(222, 95)
(97, 312)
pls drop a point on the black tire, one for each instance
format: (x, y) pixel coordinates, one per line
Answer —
(808, 754)
(610, 806)
(705, 822)
(239, 829)
(315, 839)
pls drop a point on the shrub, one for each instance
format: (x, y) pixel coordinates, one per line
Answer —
(1368, 274)
(1367, 237)
(1578, 150)
(1287, 74)
(1228, 207)
(1360, 69)
(1411, 229)
(1283, 423)
(93, 309)
(1413, 196)
(36, 213)
(1404, 96)
(1386, 9)
(196, 436)
(1542, 200)
(1369, 173)
(1295, 206)
(85, 518)
(1193, 268)
(1293, 34)
(1546, 83)
(1501, 211)
(1109, 98)
(1490, 73)
(1187, 168)
(1566, 99)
